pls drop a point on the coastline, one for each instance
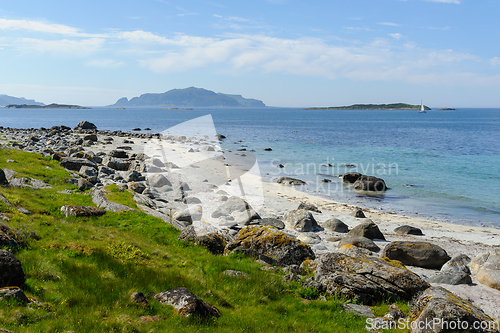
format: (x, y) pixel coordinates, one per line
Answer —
(207, 174)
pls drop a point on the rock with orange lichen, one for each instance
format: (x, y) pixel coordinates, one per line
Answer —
(269, 241)
(367, 280)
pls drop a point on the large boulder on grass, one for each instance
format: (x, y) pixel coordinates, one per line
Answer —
(268, 241)
(187, 304)
(3, 179)
(367, 280)
(420, 254)
(11, 271)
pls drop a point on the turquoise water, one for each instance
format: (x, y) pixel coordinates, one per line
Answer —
(442, 164)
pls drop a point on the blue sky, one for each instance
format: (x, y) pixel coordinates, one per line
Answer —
(286, 53)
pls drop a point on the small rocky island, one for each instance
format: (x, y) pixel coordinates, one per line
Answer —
(394, 106)
(50, 106)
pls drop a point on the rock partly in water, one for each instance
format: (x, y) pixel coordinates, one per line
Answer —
(268, 241)
(187, 304)
(369, 183)
(420, 254)
(350, 177)
(300, 220)
(85, 125)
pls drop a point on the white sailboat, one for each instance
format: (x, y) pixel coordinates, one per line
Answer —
(422, 108)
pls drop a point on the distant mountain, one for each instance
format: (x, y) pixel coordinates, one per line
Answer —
(6, 100)
(394, 106)
(188, 97)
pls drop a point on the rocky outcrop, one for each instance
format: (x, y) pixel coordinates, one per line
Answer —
(300, 220)
(11, 271)
(268, 241)
(369, 183)
(187, 304)
(7, 237)
(366, 280)
(439, 310)
(79, 211)
(420, 254)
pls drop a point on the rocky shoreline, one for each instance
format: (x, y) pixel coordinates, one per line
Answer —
(190, 183)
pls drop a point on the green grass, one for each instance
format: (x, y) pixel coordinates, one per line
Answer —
(82, 271)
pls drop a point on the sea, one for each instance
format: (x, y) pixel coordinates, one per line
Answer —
(440, 165)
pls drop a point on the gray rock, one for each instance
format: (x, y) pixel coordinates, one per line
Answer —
(359, 214)
(358, 309)
(478, 262)
(459, 263)
(133, 176)
(7, 237)
(354, 251)
(116, 163)
(139, 298)
(233, 204)
(144, 200)
(420, 254)
(102, 202)
(189, 215)
(309, 207)
(489, 273)
(187, 304)
(272, 222)
(158, 180)
(291, 181)
(104, 170)
(336, 225)
(79, 211)
(452, 278)
(11, 271)
(75, 164)
(88, 171)
(361, 242)
(118, 153)
(84, 184)
(295, 269)
(369, 183)
(85, 125)
(191, 200)
(438, 305)
(408, 230)
(90, 137)
(13, 293)
(368, 230)
(300, 220)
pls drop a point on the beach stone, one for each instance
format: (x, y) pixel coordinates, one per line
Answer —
(452, 278)
(116, 163)
(79, 211)
(354, 251)
(158, 180)
(440, 306)
(408, 230)
(118, 153)
(272, 222)
(369, 230)
(157, 162)
(85, 125)
(90, 137)
(268, 241)
(189, 215)
(187, 304)
(350, 177)
(420, 254)
(75, 164)
(232, 204)
(104, 170)
(366, 280)
(309, 238)
(191, 200)
(359, 214)
(246, 217)
(336, 225)
(369, 183)
(13, 293)
(362, 242)
(489, 273)
(309, 207)
(3, 179)
(459, 263)
(478, 262)
(290, 181)
(11, 271)
(300, 220)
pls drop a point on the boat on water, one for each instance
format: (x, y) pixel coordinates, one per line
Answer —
(422, 108)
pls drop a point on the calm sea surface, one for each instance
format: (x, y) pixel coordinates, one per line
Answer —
(443, 164)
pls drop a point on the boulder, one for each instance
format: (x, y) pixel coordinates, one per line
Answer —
(420, 254)
(13, 293)
(489, 273)
(369, 230)
(408, 230)
(189, 215)
(84, 184)
(85, 125)
(309, 207)
(268, 241)
(359, 214)
(118, 153)
(158, 180)
(139, 298)
(354, 251)
(278, 224)
(90, 137)
(88, 171)
(439, 310)
(452, 278)
(362, 242)
(369, 183)
(3, 179)
(11, 271)
(300, 220)
(478, 262)
(336, 225)
(366, 280)
(133, 176)
(79, 211)
(459, 263)
(75, 164)
(7, 237)
(358, 309)
(231, 205)
(116, 163)
(187, 303)
(291, 181)
(350, 177)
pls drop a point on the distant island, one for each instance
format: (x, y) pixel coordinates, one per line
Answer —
(188, 97)
(50, 106)
(7, 100)
(395, 106)
(446, 109)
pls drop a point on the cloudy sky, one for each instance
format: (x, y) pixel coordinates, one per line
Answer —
(284, 52)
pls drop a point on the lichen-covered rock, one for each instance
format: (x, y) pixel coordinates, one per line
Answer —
(79, 211)
(366, 280)
(354, 251)
(489, 273)
(478, 262)
(187, 303)
(336, 225)
(369, 230)
(11, 271)
(439, 310)
(361, 242)
(420, 254)
(268, 241)
(300, 220)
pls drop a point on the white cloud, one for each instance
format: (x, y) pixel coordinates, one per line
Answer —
(105, 63)
(396, 35)
(140, 36)
(37, 26)
(457, 2)
(495, 62)
(391, 24)
(76, 48)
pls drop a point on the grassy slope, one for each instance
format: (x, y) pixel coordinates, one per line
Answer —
(83, 271)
